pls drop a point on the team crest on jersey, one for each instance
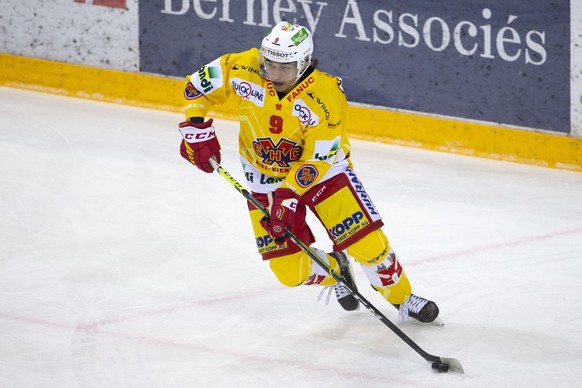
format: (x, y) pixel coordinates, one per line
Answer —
(190, 92)
(282, 154)
(249, 91)
(306, 115)
(306, 175)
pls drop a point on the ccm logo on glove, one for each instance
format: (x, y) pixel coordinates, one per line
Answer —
(199, 144)
(198, 136)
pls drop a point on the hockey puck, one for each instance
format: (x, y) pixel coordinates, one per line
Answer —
(440, 367)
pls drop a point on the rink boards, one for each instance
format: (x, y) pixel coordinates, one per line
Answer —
(366, 122)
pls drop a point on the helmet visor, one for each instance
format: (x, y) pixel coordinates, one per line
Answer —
(277, 71)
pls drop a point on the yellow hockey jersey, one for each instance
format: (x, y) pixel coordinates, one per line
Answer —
(296, 141)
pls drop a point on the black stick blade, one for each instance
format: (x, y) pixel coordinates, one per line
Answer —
(454, 364)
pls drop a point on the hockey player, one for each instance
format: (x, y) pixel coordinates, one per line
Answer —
(295, 155)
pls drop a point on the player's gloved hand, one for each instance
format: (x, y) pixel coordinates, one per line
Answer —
(282, 213)
(199, 143)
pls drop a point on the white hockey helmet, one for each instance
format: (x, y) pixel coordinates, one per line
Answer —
(287, 43)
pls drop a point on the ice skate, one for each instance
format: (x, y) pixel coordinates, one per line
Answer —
(344, 296)
(423, 310)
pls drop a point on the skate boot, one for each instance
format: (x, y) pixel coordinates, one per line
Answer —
(421, 309)
(344, 296)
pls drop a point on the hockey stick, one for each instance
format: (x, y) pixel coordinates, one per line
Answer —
(439, 364)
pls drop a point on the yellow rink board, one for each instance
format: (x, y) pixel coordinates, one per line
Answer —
(369, 123)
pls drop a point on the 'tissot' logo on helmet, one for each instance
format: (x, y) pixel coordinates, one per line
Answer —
(274, 53)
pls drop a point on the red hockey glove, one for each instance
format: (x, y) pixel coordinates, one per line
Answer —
(199, 143)
(282, 213)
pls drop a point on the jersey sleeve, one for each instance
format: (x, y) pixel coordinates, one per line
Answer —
(207, 87)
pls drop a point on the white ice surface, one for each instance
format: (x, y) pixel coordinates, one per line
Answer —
(123, 266)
